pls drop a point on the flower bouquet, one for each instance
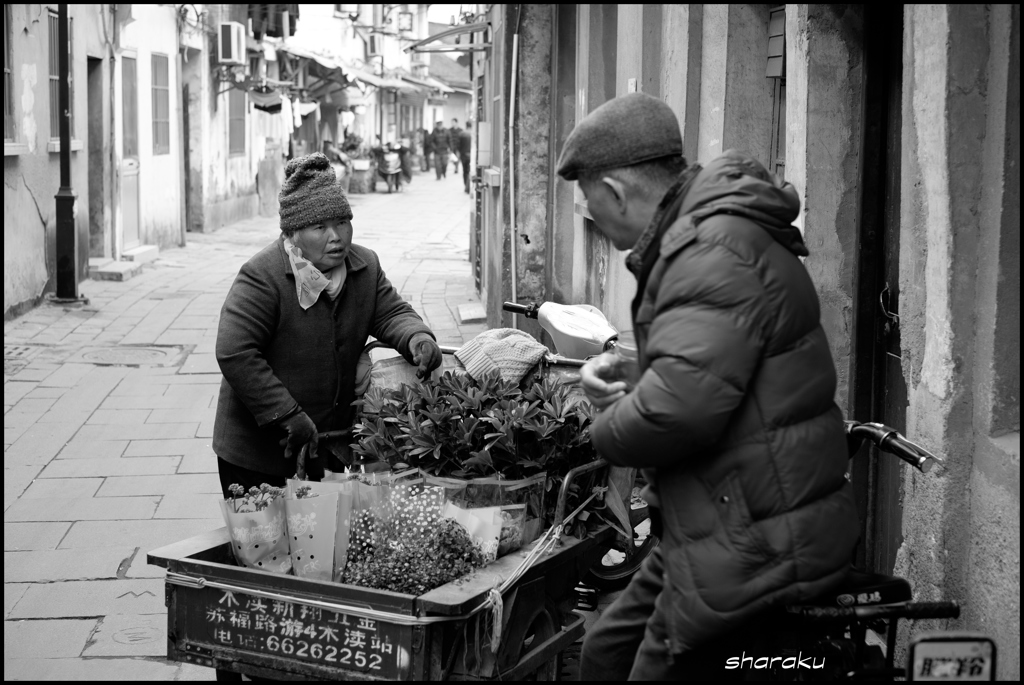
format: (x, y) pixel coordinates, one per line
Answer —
(405, 545)
(256, 526)
(312, 528)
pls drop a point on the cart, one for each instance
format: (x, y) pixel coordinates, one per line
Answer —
(245, 621)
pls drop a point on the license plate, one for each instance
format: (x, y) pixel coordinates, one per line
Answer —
(293, 630)
(952, 657)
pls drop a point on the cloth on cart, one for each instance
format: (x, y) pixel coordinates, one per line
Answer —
(506, 350)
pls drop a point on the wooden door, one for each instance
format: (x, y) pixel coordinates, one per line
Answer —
(880, 392)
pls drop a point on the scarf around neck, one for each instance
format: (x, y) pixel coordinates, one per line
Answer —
(310, 281)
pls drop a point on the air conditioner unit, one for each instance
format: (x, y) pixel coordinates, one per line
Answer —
(231, 46)
(375, 46)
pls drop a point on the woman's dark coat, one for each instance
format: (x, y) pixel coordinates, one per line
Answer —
(277, 357)
(734, 419)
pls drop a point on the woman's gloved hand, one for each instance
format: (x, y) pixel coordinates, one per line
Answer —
(425, 354)
(301, 438)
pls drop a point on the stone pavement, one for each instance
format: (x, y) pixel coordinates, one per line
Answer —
(108, 418)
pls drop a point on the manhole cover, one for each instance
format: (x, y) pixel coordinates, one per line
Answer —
(124, 355)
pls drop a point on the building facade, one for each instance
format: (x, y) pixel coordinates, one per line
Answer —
(898, 125)
(32, 143)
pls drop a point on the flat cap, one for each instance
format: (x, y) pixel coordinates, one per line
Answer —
(624, 131)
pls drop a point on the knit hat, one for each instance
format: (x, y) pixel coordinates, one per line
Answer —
(507, 350)
(310, 194)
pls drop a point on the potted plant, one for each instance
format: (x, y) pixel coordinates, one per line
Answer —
(490, 439)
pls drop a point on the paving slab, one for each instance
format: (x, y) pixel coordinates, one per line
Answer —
(14, 391)
(189, 506)
(145, 431)
(147, 535)
(168, 448)
(200, 363)
(46, 566)
(93, 449)
(81, 509)
(82, 598)
(179, 484)
(121, 416)
(198, 463)
(51, 639)
(39, 444)
(34, 535)
(58, 489)
(16, 479)
(197, 414)
(13, 592)
(67, 376)
(125, 466)
(129, 635)
(104, 670)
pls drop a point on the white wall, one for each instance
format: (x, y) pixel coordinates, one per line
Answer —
(153, 31)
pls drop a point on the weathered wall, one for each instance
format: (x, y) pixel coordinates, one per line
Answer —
(962, 525)
(825, 81)
(155, 31)
(32, 162)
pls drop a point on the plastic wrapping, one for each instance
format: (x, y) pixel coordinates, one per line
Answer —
(259, 539)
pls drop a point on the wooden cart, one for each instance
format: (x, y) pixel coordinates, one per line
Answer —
(245, 621)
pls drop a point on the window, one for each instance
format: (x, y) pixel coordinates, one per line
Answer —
(55, 76)
(161, 106)
(776, 70)
(237, 104)
(8, 85)
(130, 106)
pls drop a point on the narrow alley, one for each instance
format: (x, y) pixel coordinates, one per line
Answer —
(109, 414)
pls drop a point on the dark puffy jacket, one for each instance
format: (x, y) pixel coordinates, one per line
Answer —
(734, 420)
(277, 357)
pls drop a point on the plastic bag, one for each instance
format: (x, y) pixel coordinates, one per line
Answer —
(489, 492)
(513, 524)
(483, 525)
(312, 530)
(259, 539)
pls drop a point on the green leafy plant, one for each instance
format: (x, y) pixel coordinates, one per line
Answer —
(459, 427)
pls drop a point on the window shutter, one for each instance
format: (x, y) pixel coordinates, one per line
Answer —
(776, 43)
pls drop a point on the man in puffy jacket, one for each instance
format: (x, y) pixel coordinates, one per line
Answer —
(733, 421)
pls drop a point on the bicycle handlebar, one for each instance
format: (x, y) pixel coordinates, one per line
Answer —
(529, 311)
(888, 439)
(869, 612)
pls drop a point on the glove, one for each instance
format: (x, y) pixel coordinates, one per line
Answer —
(301, 439)
(425, 354)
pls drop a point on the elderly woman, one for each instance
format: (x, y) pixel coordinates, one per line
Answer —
(292, 329)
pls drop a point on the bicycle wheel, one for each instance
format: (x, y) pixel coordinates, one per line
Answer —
(619, 563)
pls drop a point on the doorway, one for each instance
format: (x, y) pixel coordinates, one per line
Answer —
(97, 221)
(880, 393)
(130, 152)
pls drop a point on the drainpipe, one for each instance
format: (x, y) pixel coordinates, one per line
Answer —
(512, 165)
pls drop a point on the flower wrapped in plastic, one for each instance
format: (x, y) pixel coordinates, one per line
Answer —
(256, 526)
(405, 545)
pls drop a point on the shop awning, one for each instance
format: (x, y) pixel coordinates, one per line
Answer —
(427, 44)
(429, 82)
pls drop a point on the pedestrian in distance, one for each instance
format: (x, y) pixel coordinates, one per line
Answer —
(292, 332)
(428, 149)
(440, 144)
(453, 137)
(732, 419)
(465, 147)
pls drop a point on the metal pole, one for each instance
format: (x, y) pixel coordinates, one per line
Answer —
(67, 234)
